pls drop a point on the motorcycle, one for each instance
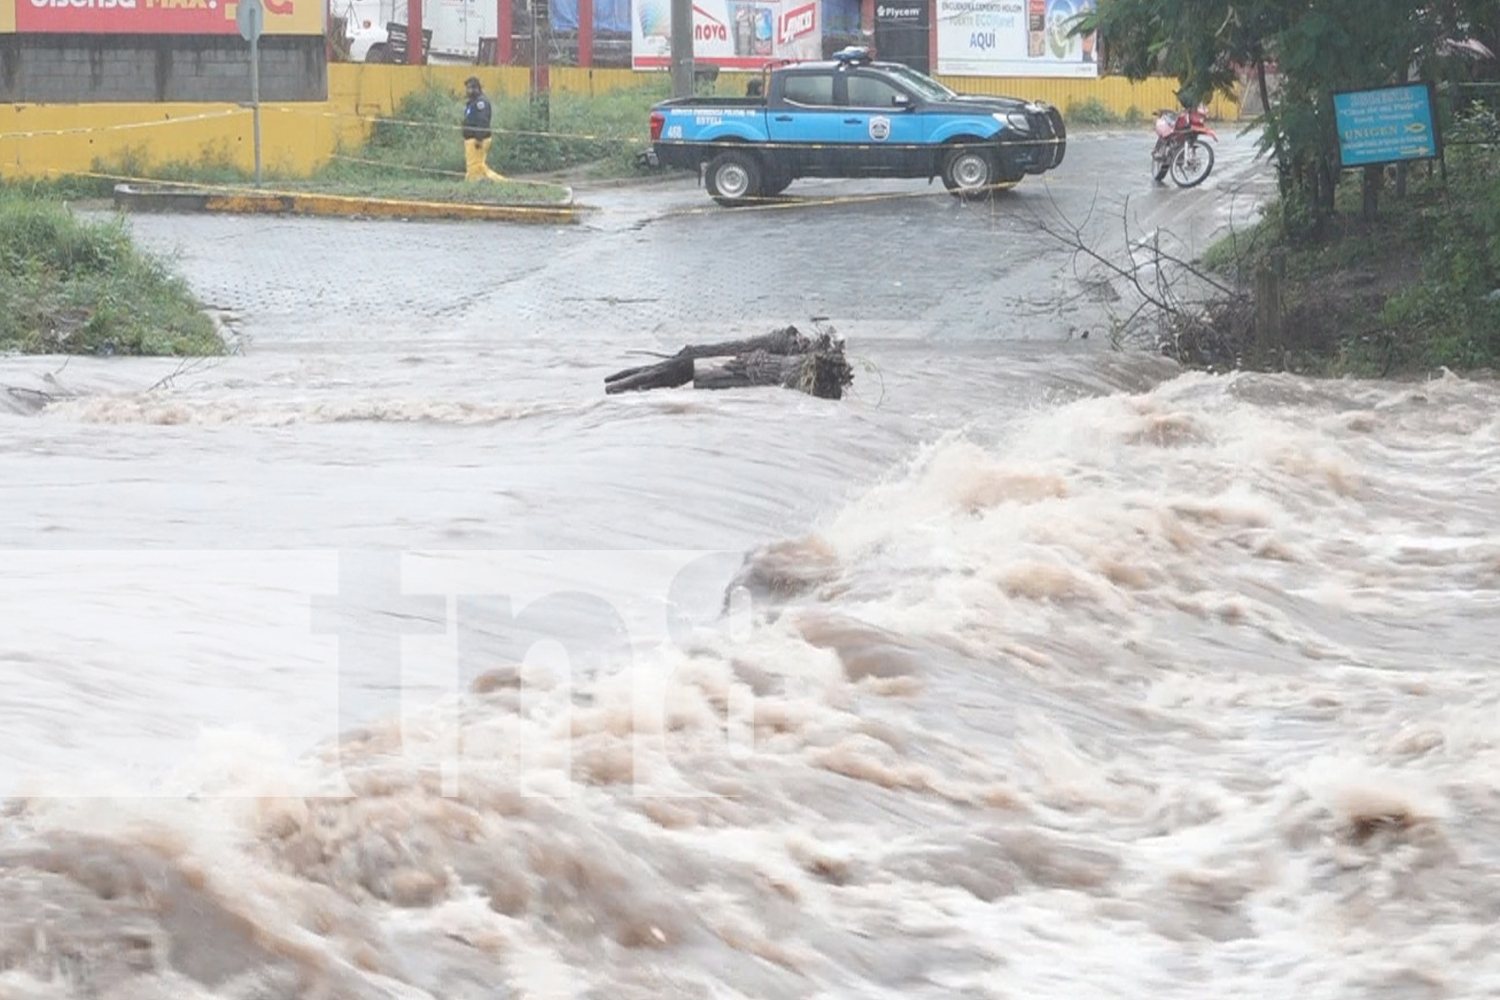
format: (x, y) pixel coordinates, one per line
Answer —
(1179, 149)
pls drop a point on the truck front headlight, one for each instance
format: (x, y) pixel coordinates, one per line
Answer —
(1012, 119)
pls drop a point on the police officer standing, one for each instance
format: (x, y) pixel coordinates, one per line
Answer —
(477, 138)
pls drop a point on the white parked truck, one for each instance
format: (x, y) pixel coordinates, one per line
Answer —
(456, 26)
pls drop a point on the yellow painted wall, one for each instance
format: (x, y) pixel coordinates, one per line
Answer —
(1115, 92)
(50, 139)
(41, 140)
(7, 16)
(381, 88)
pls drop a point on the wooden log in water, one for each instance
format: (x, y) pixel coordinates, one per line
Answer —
(788, 340)
(821, 373)
(678, 370)
(786, 358)
(664, 375)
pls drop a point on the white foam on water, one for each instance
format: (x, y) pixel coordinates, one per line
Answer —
(1175, 692)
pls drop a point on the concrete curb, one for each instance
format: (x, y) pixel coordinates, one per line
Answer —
(144, 199)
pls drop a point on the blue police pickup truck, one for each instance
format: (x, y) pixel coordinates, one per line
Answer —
(852, 116)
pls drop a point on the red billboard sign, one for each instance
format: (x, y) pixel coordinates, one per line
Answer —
(161, 17)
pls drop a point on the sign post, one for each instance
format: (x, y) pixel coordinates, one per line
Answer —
(1386, 125)
(250, 16)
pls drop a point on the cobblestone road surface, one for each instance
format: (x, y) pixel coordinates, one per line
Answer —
(881, 259)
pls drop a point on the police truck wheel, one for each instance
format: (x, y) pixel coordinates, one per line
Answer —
(969, 173)
(733, 178)
(776, 182)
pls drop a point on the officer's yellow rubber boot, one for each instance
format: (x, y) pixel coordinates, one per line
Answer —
(476, 155)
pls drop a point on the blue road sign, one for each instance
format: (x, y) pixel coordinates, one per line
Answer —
(1385, 125)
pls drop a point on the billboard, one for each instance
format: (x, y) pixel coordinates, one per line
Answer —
(1014, 38)
(731, 34)
(160, 17)
(609, 15)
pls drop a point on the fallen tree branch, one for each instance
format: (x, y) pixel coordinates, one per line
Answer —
(1179, 309)
(186, 367)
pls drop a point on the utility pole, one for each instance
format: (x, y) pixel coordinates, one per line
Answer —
(682, 48)
(541, 58)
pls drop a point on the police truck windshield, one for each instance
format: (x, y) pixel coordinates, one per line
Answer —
(921, 83)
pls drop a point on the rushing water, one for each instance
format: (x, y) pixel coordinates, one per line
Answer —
(1051, 672)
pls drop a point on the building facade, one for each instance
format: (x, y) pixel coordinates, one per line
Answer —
(88, 51)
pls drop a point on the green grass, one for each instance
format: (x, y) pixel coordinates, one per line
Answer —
(361, 182)
(422, 137)
(71, 286)
(1094, 112)
(417, 152)
(1090, 112)
(214, 166)
(388, 167)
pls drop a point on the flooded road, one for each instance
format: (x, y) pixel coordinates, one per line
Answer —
(390, 658)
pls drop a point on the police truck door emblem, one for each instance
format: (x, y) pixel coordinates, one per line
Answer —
(880, 128)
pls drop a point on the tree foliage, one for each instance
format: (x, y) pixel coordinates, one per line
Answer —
(1318, 47)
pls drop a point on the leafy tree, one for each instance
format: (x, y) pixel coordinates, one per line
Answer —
(1319, 47)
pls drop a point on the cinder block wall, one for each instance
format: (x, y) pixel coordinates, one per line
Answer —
(79, 69)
